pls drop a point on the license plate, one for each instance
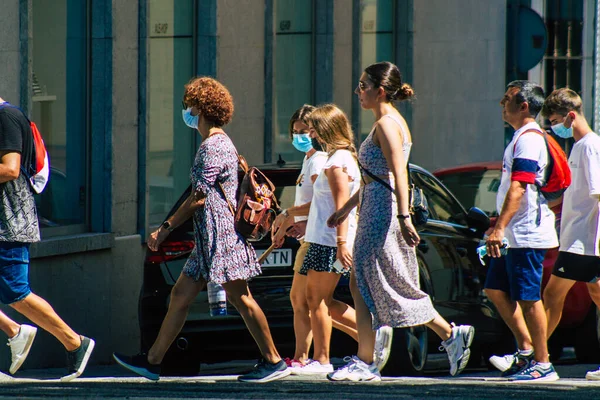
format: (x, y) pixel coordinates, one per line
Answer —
(277, 258)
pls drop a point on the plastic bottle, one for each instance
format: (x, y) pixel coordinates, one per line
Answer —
(482, 250)
(217, 300)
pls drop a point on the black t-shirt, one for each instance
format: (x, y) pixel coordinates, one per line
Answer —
(18, 215)
(15, 133)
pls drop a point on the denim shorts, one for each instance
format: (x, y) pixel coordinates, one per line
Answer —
(14, 272)
(518, 273)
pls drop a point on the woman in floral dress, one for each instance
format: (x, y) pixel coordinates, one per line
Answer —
(385, 280)
(221, 255)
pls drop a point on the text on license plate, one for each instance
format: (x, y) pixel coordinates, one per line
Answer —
(277, 258)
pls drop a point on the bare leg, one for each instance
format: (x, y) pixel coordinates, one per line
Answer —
(364, 324)
(554, 300)
(240, 297)
(594, 289)
(42, 314)
(319, 288)
(8, 326)
(537, 324)
(183, 294)
(302, 329)
(511, 313)
(343, 317)
(341, 326)
(440, 326)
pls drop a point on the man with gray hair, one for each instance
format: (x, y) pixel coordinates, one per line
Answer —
(514, 281)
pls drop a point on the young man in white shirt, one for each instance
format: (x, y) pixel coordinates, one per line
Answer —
(579, 255)
(513, 281)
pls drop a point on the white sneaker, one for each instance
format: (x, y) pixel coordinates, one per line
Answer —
(383, 346)
(357, 371)
(312, 368)
(593, 375)
(20, 346)
(503, 363)
(457, 347)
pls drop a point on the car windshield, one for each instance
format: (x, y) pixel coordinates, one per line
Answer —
(475, 188)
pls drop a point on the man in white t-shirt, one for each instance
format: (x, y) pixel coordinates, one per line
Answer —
(579, 255)
(513, 281)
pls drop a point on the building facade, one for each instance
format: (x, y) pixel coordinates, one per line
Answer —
(104, 80)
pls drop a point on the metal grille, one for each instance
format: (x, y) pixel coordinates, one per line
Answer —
(564, 55)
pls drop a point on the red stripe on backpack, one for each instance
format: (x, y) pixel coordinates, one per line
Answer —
(41, 163)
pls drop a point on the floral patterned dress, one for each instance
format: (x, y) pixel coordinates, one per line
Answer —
(386, 268)
(221, 255)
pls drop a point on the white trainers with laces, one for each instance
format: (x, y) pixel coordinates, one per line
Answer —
(356, 370)
(457, 347)
(593, 375)
(20, 346)
(503, 363)
(312, 368)
(383, 346)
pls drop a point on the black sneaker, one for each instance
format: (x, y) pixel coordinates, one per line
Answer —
(78, 359)
(266, 372)
(139, 364)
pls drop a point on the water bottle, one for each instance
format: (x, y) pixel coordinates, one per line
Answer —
(217, 299)
(482, 250)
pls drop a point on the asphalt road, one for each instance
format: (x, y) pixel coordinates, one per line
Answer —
(219, 382)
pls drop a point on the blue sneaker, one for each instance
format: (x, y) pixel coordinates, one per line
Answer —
(535, 373)
(266, 372)
(139, 364)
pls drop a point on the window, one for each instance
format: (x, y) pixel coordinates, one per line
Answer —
(171, 144)
(442, 206)
(477, 188)
(293, 69)
(377, 44)
(59, 104)
(569, 58)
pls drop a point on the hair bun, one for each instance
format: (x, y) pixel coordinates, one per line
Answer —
(406, 91)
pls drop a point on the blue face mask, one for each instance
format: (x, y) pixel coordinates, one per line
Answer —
(189, 119)
(302, 142)
(562, 131)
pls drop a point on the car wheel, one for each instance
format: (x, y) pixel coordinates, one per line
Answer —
(587, 338)
(181, 360)
(409, 352)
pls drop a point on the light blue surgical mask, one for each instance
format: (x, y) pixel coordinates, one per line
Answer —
(302, 142)
(562, 131)
(189, 119)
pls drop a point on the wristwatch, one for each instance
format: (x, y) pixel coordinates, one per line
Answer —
(285, 213)
(167, 226)
(400, 216)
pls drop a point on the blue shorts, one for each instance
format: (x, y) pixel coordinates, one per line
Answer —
(14, 272)
(518, 273)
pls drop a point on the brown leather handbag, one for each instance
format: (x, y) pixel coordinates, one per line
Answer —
(257, 205)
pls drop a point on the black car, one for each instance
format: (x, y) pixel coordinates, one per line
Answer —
(449, 267)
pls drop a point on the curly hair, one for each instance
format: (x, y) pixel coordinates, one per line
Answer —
(211, 98)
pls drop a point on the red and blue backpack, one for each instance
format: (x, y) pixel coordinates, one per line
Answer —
(558, 174)
(38, 170)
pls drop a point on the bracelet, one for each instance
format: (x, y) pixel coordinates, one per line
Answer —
(285, 213)
(340, 242)
(401, 216)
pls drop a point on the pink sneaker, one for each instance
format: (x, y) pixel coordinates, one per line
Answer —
(293, 363)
